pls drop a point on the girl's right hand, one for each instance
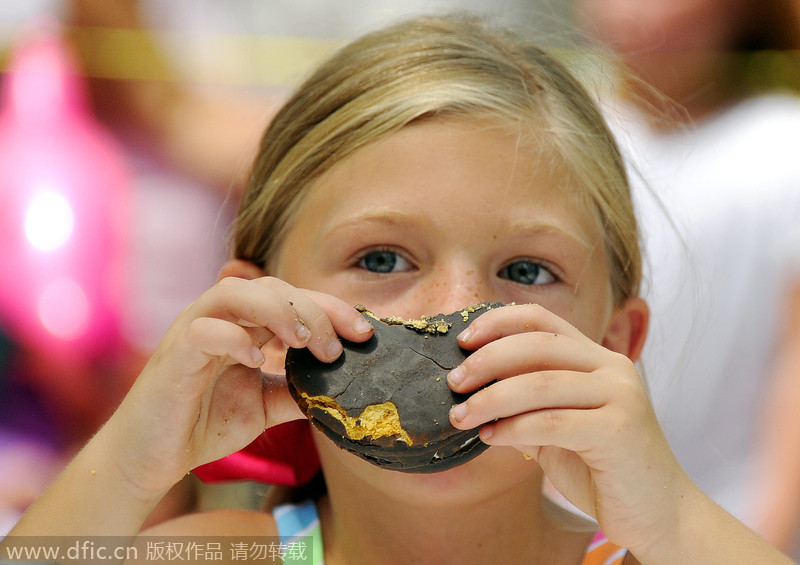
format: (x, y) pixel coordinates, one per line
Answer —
(202, 395)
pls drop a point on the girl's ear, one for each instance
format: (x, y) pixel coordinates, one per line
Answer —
(627, 329)
(241, 269)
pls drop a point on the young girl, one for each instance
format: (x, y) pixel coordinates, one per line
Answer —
(424, 168)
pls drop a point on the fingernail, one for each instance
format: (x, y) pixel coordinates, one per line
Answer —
(458, 412)
(456, 376)
(362, 326)
(302, 332)
(465, 335)
(258, 356)
(333, 349)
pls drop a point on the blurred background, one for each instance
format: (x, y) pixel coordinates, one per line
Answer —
(126, 133)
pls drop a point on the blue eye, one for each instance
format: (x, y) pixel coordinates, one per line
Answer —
(383, 261)
(527, 272)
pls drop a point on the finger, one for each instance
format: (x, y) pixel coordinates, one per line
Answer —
(286, 311)
(266, 302)
(572, 429)
(259, 336)
(529, 393)
(213, 337)
(348, 322)
(280, 407)
(203, 341)
(568, 474)
(524, 353)
(326, 318)
(319, 319)
(251, 304)
(514, 319)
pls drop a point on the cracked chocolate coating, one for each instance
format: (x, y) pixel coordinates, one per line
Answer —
(402, 365)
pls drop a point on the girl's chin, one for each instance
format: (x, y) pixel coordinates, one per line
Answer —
(497, 468)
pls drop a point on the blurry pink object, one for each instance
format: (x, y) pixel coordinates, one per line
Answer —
(283, 455)
(63, 192)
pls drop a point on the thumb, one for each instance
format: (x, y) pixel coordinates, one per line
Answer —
(570, 476)
(279, 405)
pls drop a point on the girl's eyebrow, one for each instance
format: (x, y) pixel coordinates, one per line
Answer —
(523, 229)
(382, 215)
(539, 228)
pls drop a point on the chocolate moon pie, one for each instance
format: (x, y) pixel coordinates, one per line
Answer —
(387, 399)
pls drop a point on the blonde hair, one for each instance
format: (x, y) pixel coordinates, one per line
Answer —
(426, 67)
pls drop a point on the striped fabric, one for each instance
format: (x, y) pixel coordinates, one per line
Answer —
(300, 533)
(297, 523)
(603, 552)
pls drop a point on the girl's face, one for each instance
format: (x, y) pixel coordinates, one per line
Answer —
(442, 215)
(445, 214)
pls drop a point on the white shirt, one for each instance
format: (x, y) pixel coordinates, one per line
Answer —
(720, 249)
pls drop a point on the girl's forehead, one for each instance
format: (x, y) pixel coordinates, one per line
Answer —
(484, 172)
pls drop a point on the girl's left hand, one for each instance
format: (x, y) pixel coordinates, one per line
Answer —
(578, 409)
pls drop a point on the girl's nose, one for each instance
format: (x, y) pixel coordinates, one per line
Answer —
(451, 290)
